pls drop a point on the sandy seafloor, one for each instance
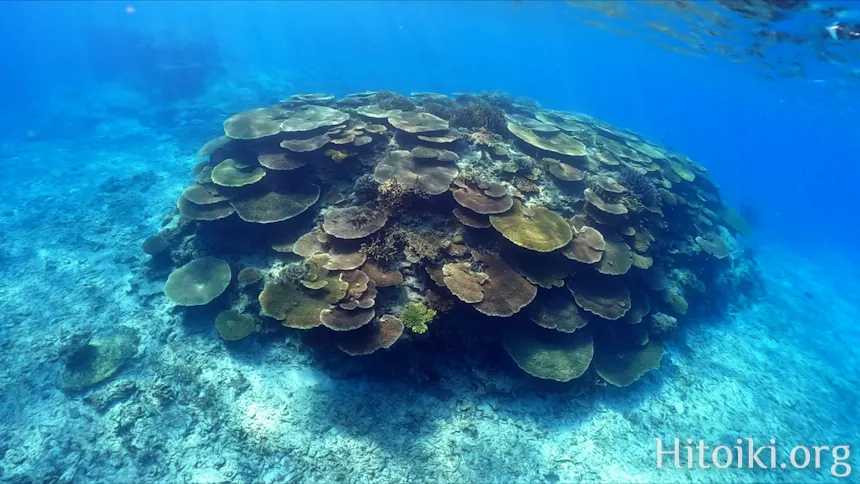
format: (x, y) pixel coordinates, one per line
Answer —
(188, 408)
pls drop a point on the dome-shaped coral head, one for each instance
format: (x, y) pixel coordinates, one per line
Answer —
(198, 282)
(249, 276)
(154, 245)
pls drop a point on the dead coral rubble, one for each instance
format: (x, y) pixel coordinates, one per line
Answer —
(377, 204)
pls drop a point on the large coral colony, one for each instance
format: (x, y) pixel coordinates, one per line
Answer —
(381, 218)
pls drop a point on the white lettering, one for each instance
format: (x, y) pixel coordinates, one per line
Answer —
(676, 452)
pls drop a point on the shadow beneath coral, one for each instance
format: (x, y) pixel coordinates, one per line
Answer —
(442, 384)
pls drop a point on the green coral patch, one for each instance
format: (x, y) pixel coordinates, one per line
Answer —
(233, 325)
(534, 228)
(416, 317)
(548, 354)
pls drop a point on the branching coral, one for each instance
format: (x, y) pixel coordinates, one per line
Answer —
(391, 100)
(292, 273)
(249, 276)
(639, 185)
(383, 250)
(393, 198)
(416, 316)
(424, 245)
(365, 188)
(524, 185)
(481, 137)
(479, 114)
(444, 108)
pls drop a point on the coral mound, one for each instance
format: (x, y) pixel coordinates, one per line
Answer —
(380, 220)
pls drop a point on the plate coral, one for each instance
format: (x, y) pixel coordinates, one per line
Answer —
(387, 220)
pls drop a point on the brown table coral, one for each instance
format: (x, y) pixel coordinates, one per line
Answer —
(363, 197)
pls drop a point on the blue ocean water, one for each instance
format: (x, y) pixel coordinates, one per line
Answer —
(106, 103)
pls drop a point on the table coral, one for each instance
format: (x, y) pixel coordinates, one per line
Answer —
(476, 203)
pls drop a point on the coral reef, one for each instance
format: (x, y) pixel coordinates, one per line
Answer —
(380, 213)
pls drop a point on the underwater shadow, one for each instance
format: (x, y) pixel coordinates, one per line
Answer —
(436, 388)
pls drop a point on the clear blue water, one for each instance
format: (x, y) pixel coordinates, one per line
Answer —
(782, 145)
(786, 146)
